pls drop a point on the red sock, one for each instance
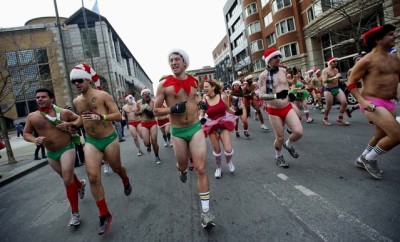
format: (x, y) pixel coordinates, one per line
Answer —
(72, 195)
(102, 205)
(125, 180)
(77, 182)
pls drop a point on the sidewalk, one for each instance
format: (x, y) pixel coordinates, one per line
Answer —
(24, 154)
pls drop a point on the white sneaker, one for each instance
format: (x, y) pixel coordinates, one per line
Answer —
(75, 219)
(218, 173)
(106, 168)
(170, 144)
(231, 166)
(166, 144)
(264, 127)
(309, 120)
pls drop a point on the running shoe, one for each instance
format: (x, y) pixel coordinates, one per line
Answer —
(106, 168)
(292, 151)
(218, 173)
(246, 133)
(359, 163)
(149, 149)
(342, 122)
(207, 220)
(140, 153)
(264, 127)
(231, 166)
(75, 219)
(81, 191)
(309, 120)
(326, 122)
(166, 144)
(105, 223)
(372, 167)
(128, 189)
(348, 112)
(170, 144)
(237, 134)
(158, 160)
(183, 176)
(280, 161)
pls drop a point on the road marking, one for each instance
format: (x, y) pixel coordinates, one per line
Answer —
(305, 190)
(282, 176)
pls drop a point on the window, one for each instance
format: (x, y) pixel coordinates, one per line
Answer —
(92, 49)
(314, 11)
(29, 70)
(289, 50)
(279, 4)
(258, 64)
(271, 39)
(268, 19)
(253, 28)
(285, 26)
(256, 46)
(327, 4)
(251, 9)
(264, 2)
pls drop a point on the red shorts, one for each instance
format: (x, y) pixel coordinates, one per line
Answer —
(148, 125)
(280, 112)
(134, 123)
(162, 122)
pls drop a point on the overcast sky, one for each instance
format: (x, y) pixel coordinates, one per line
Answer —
(149, 28)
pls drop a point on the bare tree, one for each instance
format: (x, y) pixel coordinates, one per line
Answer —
(18, 53)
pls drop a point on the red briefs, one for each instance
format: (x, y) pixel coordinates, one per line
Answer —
(280, 112)
(134, 123)
(162, 122)
(148, 125)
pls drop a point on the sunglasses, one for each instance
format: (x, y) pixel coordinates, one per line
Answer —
(80, 81)
(277, 56)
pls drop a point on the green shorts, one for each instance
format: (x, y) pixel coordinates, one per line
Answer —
(102, 143)
(186, 133)
(56, 155)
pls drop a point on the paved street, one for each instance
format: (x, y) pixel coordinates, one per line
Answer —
(321, 197)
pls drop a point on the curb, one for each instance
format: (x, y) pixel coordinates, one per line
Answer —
(21, 171)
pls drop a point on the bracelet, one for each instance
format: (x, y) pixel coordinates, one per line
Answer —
(104, 116)
(351, 86)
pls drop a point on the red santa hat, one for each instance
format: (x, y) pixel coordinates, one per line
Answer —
(316, 70)
(270, 53)
(84, 71)
(311, 71)
(182, 53)
(145, 90)
(237, 82)
(249, 77)
(129, 98)
(376, 33)
(333, 58)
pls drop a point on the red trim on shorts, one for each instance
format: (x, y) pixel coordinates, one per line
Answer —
(162, 122)
(280, 112)
(148, 125)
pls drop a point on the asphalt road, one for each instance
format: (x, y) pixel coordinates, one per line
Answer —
(321, 197)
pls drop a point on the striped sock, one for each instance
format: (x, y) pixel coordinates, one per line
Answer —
(205, 201)
(367, 150)
(373, 154)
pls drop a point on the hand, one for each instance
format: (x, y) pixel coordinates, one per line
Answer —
(202, 105)
(292, 97)
(179, 107)
(282, 94)
(239, 112)
(92, 116)
(203, 121)
(39, 140)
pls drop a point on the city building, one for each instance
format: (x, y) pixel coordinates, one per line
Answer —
(307, 32)
(36, 55)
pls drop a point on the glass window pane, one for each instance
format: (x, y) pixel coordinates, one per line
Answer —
(26, 57)
(11, 59)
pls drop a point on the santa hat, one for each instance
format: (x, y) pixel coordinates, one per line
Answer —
(145, 90)
(84, 71)
(249, 77)
(236, 83)
(376, 33)
(310, 71)
(130, 98)
(316, 70)
(270, 53)
(333, 58)
(181, 53)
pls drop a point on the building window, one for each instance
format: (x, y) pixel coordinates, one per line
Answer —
(251, 9)
(279, 4)
(256, 46)
(258, 64)
(271, 39)
(254, 28)
(29, 70)
(268, 19)
(94, 51)
(289, 50)
(263, 3)
(314, 11)
(285, 26)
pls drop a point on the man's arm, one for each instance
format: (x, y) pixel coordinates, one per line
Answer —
(159, 110)
(28, 130)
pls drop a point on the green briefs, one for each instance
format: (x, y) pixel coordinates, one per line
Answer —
(186, 133)
(102, 143)
(56, 155)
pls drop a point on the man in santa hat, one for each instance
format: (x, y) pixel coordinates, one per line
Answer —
(129, 110)
(330, 77)
(274, 89)
(179, 91)
(148, 121)
(379, 71)
(98, 110)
